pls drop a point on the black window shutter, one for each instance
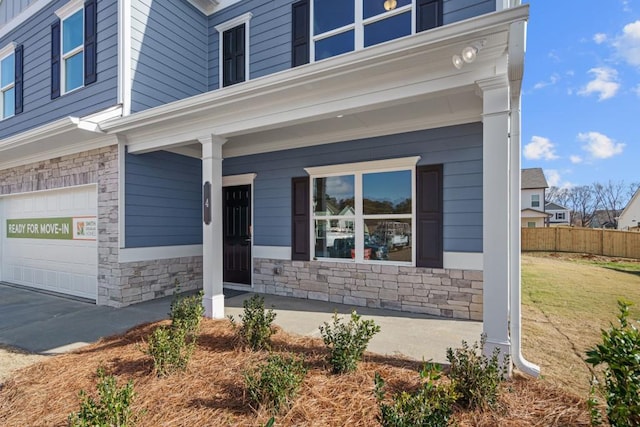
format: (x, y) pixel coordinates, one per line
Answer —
(300, 219)
(300, 33)
(428, 14)
(55, 60)
(429, 229)
(233, 56)
(90, 45)
(19, 79)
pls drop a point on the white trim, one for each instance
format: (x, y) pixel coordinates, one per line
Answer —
(23, 16)
(209, 7)
(372, 166)
(233, 180)
(69, 9)
(121, 192)
(158, 252)
(272, 252)
(23, 193)
(124, 55)
(8, 50)
(227, 25)
(463, 260)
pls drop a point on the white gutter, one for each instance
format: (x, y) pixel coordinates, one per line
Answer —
(517, 45)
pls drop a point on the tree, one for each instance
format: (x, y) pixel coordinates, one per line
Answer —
(612, 198)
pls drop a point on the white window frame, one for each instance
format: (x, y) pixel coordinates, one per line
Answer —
(357, 26)
(358, 170)
(533, 196)
(5, 53)
(227, 25)
(63, 13)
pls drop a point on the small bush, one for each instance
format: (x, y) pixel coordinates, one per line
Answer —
(275, 383)
(347, 342)
(169, 349)
(113, 407)
(477, 377)
(430, 406)
(620, 352)
(256, 329)
(186, 313)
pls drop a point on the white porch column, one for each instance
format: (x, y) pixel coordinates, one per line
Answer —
(496, 213)
(213, 299)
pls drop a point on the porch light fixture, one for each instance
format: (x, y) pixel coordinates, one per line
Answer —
(468, 55)
(390, 5)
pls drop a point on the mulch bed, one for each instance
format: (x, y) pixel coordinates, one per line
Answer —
(211, 391)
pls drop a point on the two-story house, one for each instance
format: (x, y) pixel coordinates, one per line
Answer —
(629, 218)
(534, 185)
(202, 142)
(558, 215)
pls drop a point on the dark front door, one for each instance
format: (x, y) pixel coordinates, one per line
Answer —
(236, 225)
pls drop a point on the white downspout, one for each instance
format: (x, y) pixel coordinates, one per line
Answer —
(517, 43)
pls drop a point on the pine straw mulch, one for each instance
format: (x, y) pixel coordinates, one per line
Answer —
(210, 392)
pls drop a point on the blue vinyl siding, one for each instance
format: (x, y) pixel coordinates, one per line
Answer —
(162, 200)
(39, 108)
(169, 52)
(11, 8)
(459, 10)
(459, 148)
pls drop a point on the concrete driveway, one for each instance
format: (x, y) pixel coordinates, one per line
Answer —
(48, 324)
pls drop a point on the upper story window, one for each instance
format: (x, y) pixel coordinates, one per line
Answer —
(73, 47)
(340, 26)
(535, 200)
(560, 216)
(234, 50)
(10, 80)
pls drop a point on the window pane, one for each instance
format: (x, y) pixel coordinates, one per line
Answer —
(333, 196)
(387, 29)
(334, 241)
(332, 46)
(332, 14)
(376, 7)
(74, 72)
(9, 103)
(72, 29)
(387, 240)
(7, 70)
(386, 193)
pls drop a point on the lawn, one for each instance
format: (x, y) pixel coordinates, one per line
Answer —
(566, 300)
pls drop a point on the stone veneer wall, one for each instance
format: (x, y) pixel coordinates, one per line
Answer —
(118, 284)
(439, 292)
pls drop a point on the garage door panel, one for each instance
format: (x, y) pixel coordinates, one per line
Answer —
(58, 264)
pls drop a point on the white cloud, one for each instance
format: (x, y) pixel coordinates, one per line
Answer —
(625, 5)
(599, 38)
(627, 44)
(605, 83)
(553, 79)
(636, 90)
(540, 148)
(600, 146)
(575, 159)
(554, 179)
(554, 56)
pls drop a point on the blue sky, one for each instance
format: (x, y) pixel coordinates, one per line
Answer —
(581, 91)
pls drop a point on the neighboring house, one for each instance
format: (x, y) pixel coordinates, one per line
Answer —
(533, 185)
(558, 214)
(147, 143)
(629, 219)
(603, 218)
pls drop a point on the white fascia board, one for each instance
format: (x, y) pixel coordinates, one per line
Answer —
(63, 125)
(378, 165)
(69, 8)
(23, 16)
(209, 7)
(436, 39)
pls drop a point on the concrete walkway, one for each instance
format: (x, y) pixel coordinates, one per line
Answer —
(49, 324)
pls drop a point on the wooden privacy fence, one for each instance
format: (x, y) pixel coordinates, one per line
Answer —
(582, 240)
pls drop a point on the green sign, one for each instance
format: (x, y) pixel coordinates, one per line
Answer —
(40, 228)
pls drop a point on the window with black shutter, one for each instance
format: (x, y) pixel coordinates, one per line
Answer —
(233, 55)
(429, 226)
(300, 219)
(428, 14)
(300, 33)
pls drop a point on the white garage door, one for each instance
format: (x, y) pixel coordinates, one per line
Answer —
(49, 240)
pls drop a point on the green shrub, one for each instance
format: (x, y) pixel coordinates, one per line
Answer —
(347, 342)
(112, 409)
(274, 384)
(477, 377)
(256, 329)
(186, 313)
(430, 406)
(620, 352)
(169, 349)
